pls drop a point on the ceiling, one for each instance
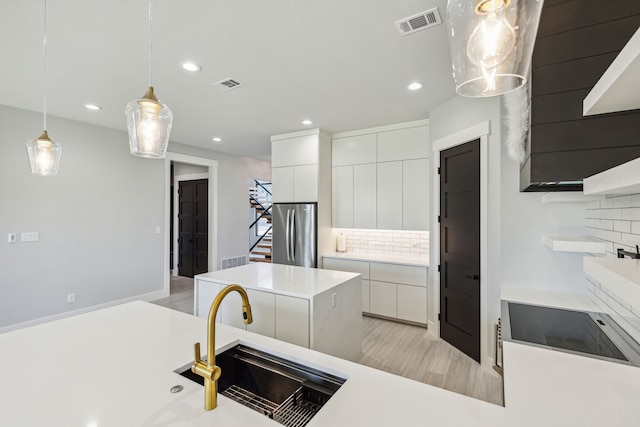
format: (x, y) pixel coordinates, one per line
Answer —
(341, 63)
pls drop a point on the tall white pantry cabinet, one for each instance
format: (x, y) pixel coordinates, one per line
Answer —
(380, 177)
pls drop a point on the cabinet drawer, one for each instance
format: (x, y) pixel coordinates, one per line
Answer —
(350, 266)
(406, 274)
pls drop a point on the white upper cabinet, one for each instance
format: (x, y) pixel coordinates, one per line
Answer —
(300, 150)
(389, 196)
(364, 196)
(404, 144)
(354, 150)
(415, 194)
(381, 177)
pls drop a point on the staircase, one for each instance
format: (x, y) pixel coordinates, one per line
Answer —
(260, 204)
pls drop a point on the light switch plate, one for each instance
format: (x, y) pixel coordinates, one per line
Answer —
(11, 238)
(30, 237)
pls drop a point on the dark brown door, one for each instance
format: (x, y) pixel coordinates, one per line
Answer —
(193, 227)
(460, 247)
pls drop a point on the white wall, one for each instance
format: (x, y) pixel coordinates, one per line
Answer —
(96, 218)
(516, 221)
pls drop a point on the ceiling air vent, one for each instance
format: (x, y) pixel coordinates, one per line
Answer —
(418, 22)
(228, 84)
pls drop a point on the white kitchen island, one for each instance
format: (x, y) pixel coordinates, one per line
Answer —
(114, 367)
(313, 308)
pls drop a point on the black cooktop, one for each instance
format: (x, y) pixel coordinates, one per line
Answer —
(564, 329)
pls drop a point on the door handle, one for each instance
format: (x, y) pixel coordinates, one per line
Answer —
(293, 235)
(286, 234)
(473, 277)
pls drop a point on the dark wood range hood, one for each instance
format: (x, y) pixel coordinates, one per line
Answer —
(577, 40)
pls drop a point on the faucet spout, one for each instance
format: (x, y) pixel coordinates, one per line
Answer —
(208, 370)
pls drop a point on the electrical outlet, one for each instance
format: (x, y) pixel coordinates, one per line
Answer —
(334, 299)
(71, 298)
(30, 237)
(11, 238)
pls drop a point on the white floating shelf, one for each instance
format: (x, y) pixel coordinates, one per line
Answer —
(622, 179)
(575, 244)
(568, 197)
(618, 89)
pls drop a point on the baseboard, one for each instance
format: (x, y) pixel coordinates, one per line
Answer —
(151, 296)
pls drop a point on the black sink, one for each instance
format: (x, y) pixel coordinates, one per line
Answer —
(287, 392)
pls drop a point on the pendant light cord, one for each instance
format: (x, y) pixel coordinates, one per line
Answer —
(150, 43)
(44, 68)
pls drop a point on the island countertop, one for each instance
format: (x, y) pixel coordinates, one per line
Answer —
(114, 367)
(281, 279)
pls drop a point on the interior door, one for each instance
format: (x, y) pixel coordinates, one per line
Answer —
(193, 245)
(460, 247)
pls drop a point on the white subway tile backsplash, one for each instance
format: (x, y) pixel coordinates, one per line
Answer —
(635, 200)
(387, 242)
(623, 226)
(606, 203)
(622, 201)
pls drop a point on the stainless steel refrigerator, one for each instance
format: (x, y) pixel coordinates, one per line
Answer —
(295, 234)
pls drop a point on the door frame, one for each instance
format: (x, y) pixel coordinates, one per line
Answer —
(212, 176)
(478, 131)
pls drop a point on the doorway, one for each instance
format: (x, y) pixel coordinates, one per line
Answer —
(460, 247)
(193, 227)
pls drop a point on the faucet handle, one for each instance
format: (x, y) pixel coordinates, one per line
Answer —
(196, 348)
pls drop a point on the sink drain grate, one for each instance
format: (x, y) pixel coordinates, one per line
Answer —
(295, 411)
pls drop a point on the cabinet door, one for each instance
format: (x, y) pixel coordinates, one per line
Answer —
(231, 311)
(412, 303)
(305, 184)
(398, 273)
(383, 298)
(415, 194)
(404, 144)
(207, 292)
(282, 184)
(389, 196)
(301, 150)
(292, 320)
(263, 308)
(364, 196)
(349, 265)
(353, 150)
(365, 296)
(342, 197)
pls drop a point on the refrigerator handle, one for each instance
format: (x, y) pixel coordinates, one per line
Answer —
(293, 235)
(286, 234)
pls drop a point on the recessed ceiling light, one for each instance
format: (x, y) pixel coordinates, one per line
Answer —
(191, 66)
(415, 86)
(307, 122)
(93, 107)
(217, 139)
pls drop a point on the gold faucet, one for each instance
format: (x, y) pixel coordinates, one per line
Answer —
(208, 370)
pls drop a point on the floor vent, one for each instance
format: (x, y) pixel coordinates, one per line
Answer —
(228, 84)
(418, 22)
(233, 262)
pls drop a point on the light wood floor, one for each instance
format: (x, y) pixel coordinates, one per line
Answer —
(405, 350)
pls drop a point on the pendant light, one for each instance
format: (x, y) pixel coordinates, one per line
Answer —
(491, 43)
(44, 154)
(148, 120)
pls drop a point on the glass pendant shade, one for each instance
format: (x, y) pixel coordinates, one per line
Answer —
(491, 43)
(44, 155)
(149, 123)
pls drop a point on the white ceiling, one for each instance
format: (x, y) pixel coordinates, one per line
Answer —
(341, 63)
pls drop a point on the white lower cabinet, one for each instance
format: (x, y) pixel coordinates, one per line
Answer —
(392, 290)
(412, 303)
(263, 308)
(383, 299)
(292, 320)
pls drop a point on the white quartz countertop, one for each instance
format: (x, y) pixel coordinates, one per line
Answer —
(114, 367)
(389, 259)
(280, 279)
